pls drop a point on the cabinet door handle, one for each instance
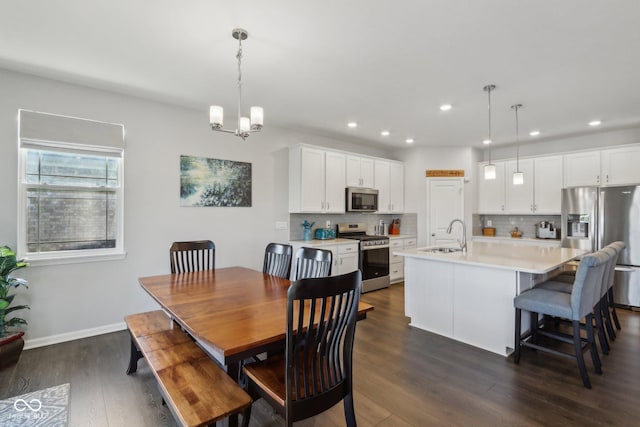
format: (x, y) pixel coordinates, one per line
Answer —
(328, 206)
(607, 177)
(597, 179)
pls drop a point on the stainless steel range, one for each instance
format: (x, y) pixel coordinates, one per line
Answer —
(373, 258)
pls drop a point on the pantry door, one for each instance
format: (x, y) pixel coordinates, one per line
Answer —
(445, 202)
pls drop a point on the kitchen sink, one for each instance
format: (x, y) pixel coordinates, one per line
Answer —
(442, 250)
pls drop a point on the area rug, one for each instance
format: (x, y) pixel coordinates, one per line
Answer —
(42, 408)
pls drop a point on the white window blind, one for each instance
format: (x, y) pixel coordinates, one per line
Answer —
(71, 187)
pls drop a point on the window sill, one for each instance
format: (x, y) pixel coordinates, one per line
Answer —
(60, 259)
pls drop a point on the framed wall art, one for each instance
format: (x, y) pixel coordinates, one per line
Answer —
(214, 182)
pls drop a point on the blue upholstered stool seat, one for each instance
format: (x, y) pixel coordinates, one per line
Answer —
(556, 285)
(549, 302)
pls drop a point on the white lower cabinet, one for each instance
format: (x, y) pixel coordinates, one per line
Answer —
(345, 255)
(396, 262)
(347, 260)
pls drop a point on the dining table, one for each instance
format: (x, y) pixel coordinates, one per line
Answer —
(233, 313)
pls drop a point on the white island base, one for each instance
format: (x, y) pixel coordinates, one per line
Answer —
(469, 297)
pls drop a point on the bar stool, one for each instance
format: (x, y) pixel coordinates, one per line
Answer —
(599, 318)
(574, 306)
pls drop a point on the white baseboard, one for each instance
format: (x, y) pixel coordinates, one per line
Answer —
(70, 336)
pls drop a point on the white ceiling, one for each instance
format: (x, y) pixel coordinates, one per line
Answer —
(314, 65)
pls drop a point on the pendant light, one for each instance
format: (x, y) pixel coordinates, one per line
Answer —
(489, 168)
(518, 177)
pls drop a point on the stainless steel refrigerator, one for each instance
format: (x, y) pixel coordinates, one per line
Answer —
(593, 217)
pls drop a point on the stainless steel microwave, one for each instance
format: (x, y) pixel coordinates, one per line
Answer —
(361, 199)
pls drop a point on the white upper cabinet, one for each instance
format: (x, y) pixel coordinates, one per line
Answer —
(620, 166)
(396, 187)
(389, 181)
(491, 192)
(542, 188)
(611, 166)
(335, 171)
(519, 198)
(582, 169)
(547, 185)
(359, 171)
(316, 180)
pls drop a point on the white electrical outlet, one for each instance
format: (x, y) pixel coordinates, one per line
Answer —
(489, 223)
(282, 225)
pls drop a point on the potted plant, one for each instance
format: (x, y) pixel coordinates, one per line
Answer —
(11, 341)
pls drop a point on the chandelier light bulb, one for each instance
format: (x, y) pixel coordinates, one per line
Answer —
(245, 124)
(257, 117)
(216, 115)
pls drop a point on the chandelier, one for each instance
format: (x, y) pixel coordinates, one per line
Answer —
(245, 125)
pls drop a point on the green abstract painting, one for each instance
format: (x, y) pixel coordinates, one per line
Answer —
(214, 182)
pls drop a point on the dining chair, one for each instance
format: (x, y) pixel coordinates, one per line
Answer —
(277, 260)
(192, 256)
(315, 373)
(571, 306)
(311, 263)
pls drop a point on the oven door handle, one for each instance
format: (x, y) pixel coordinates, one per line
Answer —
(367, 248)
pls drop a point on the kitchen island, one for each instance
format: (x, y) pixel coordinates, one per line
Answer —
(469, 296)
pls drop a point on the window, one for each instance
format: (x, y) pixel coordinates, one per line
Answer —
(71, 200)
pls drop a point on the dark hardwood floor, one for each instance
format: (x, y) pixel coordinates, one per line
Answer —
(403, 377)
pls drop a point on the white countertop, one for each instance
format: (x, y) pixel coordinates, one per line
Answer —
(402, 236)
(320, 242)
(521, 240)
(538, 259)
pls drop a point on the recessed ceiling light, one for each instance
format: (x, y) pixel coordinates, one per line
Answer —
(445, 107)
(487, 142)
(352, 125)
(595, 123)
(409, 141)
(534, 133)
(385, 133)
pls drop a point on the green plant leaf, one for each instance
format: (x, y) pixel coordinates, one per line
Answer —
(15, 321)
(3, 304)
(16, 308)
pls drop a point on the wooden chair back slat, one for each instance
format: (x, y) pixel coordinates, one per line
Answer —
(277, 260)
(312, 263)
(192, 256)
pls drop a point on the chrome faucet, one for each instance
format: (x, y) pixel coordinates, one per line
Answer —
(463, 242)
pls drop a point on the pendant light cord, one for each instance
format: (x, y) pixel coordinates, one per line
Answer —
(517, 143)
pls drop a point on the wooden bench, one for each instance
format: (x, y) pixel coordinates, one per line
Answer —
(197, 390)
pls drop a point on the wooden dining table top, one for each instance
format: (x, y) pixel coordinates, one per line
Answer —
(232, 312)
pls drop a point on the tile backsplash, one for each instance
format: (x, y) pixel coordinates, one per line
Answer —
(408, 222)
(505, 223)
